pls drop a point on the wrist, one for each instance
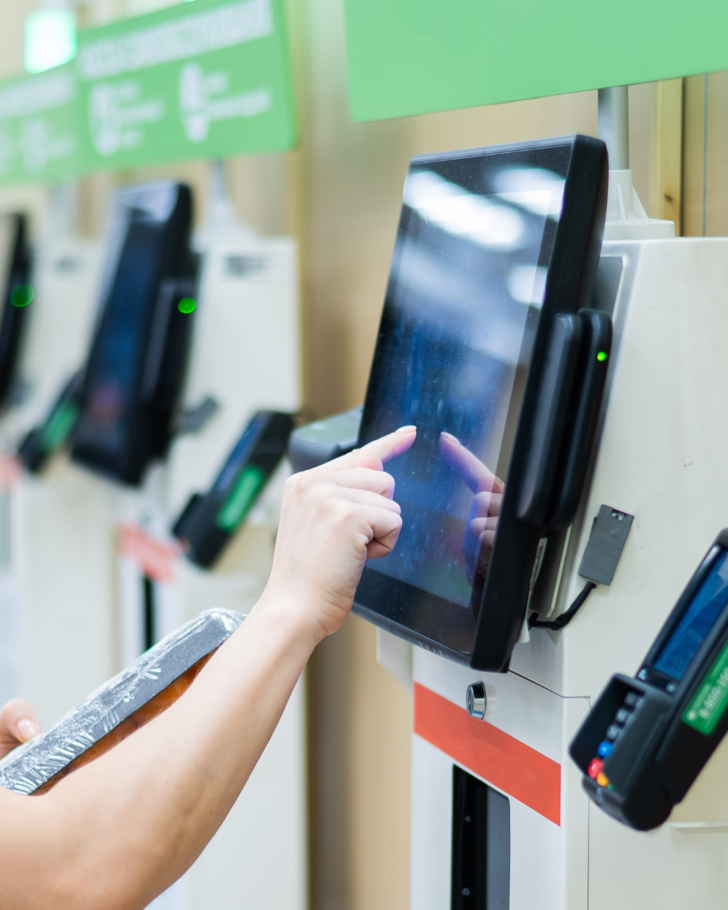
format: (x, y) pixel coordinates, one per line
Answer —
(291, 615)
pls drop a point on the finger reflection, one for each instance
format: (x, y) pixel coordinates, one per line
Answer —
(482, 520)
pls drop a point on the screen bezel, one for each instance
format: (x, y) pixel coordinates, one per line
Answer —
(648, 671)
(13, 319)
(386, 601)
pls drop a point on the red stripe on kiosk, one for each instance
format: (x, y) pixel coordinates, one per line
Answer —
(502, 760)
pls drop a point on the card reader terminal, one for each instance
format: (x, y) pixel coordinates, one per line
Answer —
(210, 520)
(647, 738)
(50, 436)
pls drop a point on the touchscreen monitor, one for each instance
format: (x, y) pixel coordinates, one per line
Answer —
(120, 420)
(471, 285)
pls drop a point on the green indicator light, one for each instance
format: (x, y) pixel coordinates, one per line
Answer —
(602, 355)
(21, 295)
(186, 305)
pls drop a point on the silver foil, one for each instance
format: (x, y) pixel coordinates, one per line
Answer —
(31, 765)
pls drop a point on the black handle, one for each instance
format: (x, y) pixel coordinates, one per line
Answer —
(167, 342)
(168, 297)
(551, 418)
(596, 346)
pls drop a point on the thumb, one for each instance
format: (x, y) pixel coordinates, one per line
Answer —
(19, 721)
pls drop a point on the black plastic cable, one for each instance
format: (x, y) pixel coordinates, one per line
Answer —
(557, 624)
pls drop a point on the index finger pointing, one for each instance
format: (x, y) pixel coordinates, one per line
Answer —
(379, 451)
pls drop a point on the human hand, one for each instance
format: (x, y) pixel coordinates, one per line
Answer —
(18, 724)
(482, 518)
(333, 519)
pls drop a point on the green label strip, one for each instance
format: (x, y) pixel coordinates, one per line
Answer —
(711, 700)
(56, 431)
(239, 502)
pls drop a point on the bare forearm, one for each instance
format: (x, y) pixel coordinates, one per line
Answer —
(135, 819)
(118, 831)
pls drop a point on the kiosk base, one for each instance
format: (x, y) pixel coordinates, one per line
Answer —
(245, 356)
(56, 529)
(660, 456)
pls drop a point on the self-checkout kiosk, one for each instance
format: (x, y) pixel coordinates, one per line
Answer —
(198, 531)
(63, 516)
(15, 261)
(47, 522)
(566, 480)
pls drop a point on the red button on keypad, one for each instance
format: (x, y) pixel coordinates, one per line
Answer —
(595, 766)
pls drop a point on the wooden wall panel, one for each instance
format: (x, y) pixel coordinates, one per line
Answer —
(705, 166)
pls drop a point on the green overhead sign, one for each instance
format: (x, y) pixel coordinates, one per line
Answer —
(418, 56)
(39, 128)
(208, 80)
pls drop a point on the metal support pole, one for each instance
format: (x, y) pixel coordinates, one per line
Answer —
(218, 181)
(614, 125)
(63, 210)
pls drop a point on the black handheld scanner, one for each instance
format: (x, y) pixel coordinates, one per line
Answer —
(50, 436)
(210, 520)
(647, 738)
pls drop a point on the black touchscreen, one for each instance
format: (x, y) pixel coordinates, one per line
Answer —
(460, 316)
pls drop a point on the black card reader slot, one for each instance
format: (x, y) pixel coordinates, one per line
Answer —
(550, 419)
(596, 347)
(565, 421)
(210, 520)
(52, 435)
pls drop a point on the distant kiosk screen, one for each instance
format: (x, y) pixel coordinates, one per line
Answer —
(135, 365)
(461, 312)
(121, 341)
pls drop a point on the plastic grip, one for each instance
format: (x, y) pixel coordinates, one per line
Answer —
(550, 421)
(597, 346)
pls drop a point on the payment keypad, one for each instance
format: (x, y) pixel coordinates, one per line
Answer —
(612, 734)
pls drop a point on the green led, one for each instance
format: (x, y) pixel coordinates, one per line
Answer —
(187, 305)
(602, 355)
(21, 295)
